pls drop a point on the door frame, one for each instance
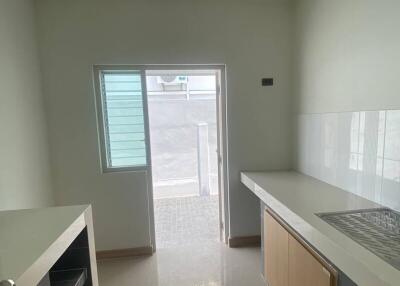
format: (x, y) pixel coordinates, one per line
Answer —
(222, 133)
(222, 141)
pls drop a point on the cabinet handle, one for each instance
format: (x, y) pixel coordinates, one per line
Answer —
(326, 271)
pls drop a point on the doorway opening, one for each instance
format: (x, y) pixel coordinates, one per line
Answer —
(184, 110)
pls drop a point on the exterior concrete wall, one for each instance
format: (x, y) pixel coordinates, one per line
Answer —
(174, 144)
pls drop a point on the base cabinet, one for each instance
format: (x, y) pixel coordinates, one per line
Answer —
(288, 261)
(276, 253)
(304, 268)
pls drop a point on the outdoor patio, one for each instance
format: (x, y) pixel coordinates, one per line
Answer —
(183, 132)
(186, 220)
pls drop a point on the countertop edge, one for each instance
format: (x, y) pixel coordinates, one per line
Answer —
(362, 275)
(48, 258)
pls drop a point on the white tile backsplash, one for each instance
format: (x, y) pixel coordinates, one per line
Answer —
(356, 151)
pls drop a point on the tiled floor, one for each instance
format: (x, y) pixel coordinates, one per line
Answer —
(186, 220)
(188, 252)
(201, 264)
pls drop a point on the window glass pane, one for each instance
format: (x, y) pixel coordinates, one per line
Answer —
(124, 119)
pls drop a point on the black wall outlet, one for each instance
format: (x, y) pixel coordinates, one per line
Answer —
(267, 82)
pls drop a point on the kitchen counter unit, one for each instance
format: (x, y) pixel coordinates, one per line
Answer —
(296, 198)
(32, 241)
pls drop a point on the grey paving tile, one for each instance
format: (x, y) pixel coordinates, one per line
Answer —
(184, 220)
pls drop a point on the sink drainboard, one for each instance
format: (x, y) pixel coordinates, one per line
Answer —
(378, 230)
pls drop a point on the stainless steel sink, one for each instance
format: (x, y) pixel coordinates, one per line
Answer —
(378, 230)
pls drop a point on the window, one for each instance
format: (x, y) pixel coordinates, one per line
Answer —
(122, 124)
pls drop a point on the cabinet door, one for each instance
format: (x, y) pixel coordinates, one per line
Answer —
(276, 240)
(304, 268)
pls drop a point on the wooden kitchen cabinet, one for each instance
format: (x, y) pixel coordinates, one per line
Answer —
(288, 260)
(304, 268)
(276, 258)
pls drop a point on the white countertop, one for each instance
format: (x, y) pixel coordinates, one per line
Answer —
(27, 236)
(296, 198)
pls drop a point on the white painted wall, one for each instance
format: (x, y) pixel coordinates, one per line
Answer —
(251, 37)
(24, 169)
(348, 55)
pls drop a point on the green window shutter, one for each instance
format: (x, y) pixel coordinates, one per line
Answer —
(124, 122)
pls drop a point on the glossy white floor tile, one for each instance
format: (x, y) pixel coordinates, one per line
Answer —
(356, 151)
(205, 264)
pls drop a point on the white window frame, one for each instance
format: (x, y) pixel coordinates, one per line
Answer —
(98, 71)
